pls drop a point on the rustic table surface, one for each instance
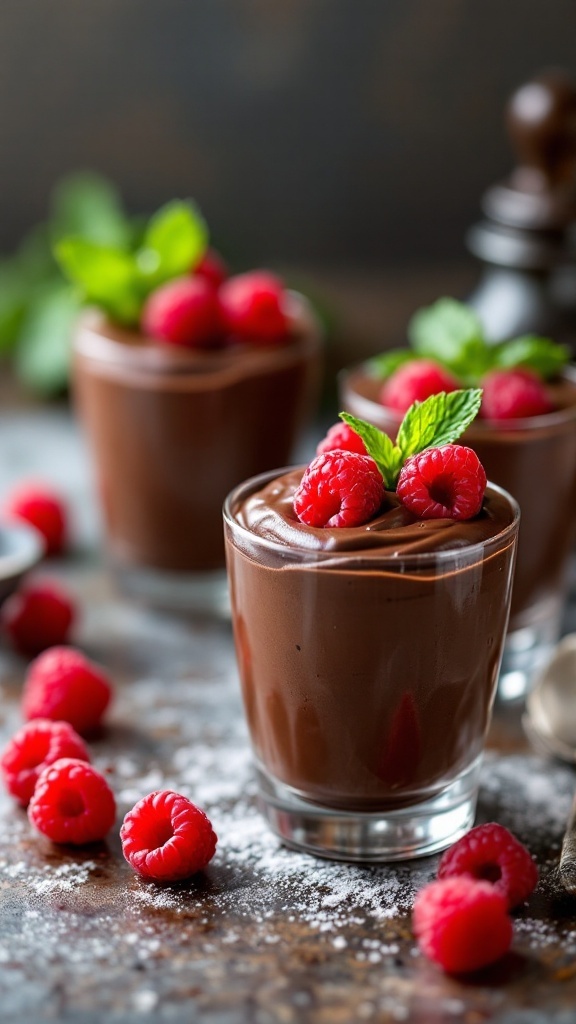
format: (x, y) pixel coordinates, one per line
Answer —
(266, 934)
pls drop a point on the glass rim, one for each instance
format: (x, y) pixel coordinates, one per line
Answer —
(482, 428)
(421, 559)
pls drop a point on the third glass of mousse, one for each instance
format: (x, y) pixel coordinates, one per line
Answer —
(187, 381)
(370, 597)
(525, 437)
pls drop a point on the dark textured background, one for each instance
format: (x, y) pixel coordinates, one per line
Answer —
(350, 132)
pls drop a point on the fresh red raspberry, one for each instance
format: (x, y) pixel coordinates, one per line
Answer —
(182, 312)
(513, 394)
(490, 852)
(212, 268)
(72, 803)
(414, 382)
(342, 436)
(339, 489)
(166, 837)
(38, 505)
(443, 483)
(462, 924)
(38, 616)
(62, 684)
(34, 747)
(252, 308)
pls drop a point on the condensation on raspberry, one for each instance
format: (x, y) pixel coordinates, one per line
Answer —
(443, 483)
(37, 504)
(252, 308)
(183, 311)
(343, 437)
(35, 746)
(462, 924)
(72, 803)
(39, 615)
(63, 684)
(414, 382)
(513, 394)
(339, 489)
(167, 838)
(491, 853)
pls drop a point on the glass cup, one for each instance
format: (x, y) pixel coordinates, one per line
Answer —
(368, 680)
(171, 431)
(535, 460)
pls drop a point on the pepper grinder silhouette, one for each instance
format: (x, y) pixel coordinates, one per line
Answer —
(528, 241)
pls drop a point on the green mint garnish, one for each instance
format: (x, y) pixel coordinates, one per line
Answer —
(441, 419)
(119, 277)
(451, 333)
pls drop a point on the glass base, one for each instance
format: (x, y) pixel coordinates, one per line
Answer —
(403, 834)
(201, 593)
(527, 650)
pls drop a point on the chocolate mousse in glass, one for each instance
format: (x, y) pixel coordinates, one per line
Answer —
(535, 460)
(172, 429)
(369, 659)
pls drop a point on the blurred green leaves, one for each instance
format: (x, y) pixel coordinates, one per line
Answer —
(88, 250)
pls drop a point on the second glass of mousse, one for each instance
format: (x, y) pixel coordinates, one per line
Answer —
(212, 385)
(526, 440)
(369, 633)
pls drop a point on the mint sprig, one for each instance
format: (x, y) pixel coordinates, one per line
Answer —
(451, 333)
(440, 419)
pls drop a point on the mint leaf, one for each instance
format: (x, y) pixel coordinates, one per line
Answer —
(43, 354)
(88, 205)
(542, 355)
(107, 276)
(379, 446)
(385, 364)
(451, 333)
(175, 240)
(441, 419)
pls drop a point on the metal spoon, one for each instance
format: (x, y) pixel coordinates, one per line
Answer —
(550, 722)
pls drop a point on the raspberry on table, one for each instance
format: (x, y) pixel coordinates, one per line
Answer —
(167, 838)
(513, 394)
(183, 311)
(252, 308)
(35, 746)
(491, 853)
(212, 267)
(40, 506)
(462, 924)
(414, 382)
(443, 483)
(72, 803)
(62, 684)
(39, 615)
(339, 489)
(342, 436)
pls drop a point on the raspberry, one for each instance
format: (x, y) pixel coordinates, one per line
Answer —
(212, 268)
(490, 852)
(339, 489)
(461, 924)
(443, 483)
(63, 684)
(38, 616)
(414, 382)
(182, 312)
(72, 803)
(513, 394)
(38, 505)
(252, 308)
(342, 436)
(34, 747)
(166, 837)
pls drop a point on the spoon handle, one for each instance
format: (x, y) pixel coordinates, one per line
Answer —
(567, 864)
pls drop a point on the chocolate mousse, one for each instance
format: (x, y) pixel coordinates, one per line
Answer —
(368, 656)
(534, 460)
(173, 429)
